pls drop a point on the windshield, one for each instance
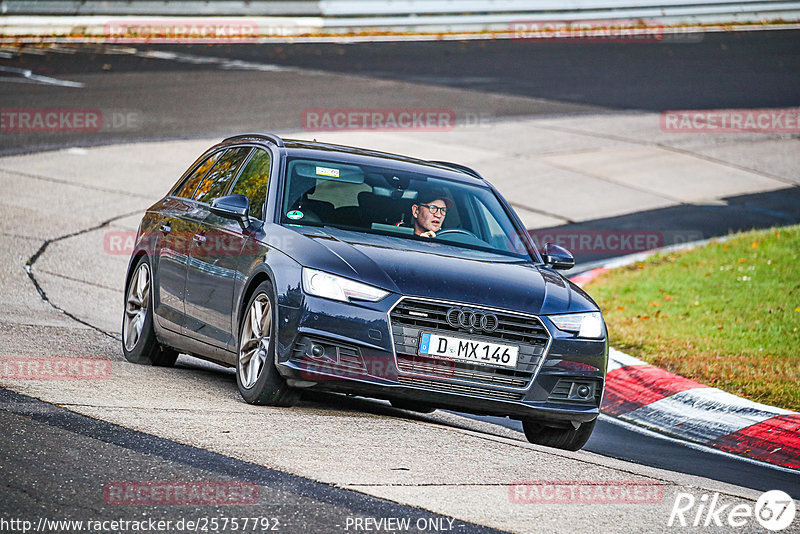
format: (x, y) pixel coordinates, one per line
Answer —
(390, 202)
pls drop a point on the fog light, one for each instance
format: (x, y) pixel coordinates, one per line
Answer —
(584, 391)
(317, 351)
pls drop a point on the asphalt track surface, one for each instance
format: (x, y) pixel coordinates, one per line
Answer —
(41, 436)
(190, 91)
(179, 98)
(718, 71)
(627, 442)
(721, 71)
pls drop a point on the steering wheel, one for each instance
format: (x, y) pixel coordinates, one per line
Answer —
(459, 231)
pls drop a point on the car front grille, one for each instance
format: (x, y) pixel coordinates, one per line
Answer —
(411, 316)
(461, 388)
(446, 369)
(428, 316)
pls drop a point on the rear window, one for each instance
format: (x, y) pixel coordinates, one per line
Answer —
(254, 181)
(220, 178)
(188, 186)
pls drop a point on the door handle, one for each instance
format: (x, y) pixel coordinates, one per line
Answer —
(199, 238)
(166, 228)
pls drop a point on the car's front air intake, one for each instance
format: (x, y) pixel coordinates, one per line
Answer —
(412, 316)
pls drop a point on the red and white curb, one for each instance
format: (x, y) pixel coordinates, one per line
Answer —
(659, 400)
(584, 278)
(653, 398)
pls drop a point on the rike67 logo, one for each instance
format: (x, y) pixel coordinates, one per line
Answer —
(774, 510)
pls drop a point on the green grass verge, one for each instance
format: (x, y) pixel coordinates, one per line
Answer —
(726, 314)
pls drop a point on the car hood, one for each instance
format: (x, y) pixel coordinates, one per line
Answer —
(439, 271)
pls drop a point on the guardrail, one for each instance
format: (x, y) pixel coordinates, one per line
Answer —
(376, 9)
(184, 8)
(552, 8)
(292, 20)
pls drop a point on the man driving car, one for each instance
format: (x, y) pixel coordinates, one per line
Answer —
(429, 212)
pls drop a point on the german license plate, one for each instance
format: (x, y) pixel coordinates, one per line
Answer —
(480, 352)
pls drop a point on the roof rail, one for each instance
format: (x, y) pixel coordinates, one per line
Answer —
(269, 137)
(459, 167)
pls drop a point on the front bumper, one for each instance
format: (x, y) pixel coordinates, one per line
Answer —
(354, 348)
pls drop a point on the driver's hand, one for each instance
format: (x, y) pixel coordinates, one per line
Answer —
(429, 233)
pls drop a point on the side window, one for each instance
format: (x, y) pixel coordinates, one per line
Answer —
(218, 180)
(254, 181)
(186, 189)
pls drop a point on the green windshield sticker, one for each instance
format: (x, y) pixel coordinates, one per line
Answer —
(294, 214)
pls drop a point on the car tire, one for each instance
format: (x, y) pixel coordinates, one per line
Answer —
(570, 439)
(256, 374)
(412, 406)
(139, 342)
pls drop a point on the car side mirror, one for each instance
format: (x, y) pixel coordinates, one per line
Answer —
(234, 207)
(558, 257)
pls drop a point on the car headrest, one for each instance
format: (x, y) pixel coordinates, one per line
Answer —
(371, 201)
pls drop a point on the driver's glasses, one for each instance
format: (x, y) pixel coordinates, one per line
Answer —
(436, 209)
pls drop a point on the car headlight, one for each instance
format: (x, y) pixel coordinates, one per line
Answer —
(588, 325)
(330, 286)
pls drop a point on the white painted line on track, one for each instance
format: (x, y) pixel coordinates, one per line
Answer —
(27, 76)
(225, 63)
(691, 445)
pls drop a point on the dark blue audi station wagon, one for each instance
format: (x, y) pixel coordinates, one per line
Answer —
(307, 265)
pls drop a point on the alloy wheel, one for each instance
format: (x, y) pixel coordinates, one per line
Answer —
(255, 339)
(136, 306)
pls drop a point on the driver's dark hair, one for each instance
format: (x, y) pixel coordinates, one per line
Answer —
(426, 196)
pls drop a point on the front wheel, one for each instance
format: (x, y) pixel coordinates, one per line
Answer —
(139, 343)
(256, 375)
(570, 439)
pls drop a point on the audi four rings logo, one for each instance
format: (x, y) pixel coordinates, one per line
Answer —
(467, 318)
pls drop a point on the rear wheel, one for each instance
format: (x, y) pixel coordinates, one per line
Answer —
(412, 406)
(256, 375)
(139, 343)
(571, 439)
